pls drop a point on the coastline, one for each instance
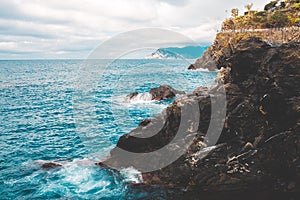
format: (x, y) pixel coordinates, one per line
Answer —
(165, 102)
(249, 146)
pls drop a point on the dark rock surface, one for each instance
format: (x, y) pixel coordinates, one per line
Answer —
(192, 67)
(48, 165)
(145, 122)
(259, 148)
(132, 95)
(163, 92)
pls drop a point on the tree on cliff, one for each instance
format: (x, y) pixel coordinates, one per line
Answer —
(292, 1)
(270, 6)
(282, 4)
(234, 12)
(249, 6)
(279, 19)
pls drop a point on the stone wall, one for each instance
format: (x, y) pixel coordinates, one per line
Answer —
(277, 35)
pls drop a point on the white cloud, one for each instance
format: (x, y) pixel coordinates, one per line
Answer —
(72, 28)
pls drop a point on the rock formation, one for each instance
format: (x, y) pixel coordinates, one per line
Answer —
(258, 149)
(48, 164)
(164, 92)
(161, 93)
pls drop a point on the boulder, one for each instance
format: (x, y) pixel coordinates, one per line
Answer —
(164, 92)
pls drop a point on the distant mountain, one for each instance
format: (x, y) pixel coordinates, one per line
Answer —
(188, 52)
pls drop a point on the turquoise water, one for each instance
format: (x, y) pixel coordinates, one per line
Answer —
(38, 124)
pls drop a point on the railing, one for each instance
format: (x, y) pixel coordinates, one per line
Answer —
(293, 28)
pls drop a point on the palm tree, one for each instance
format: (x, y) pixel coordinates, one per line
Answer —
(249, 6)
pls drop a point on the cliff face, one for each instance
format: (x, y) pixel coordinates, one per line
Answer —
(226, 42)
(258, 149)
(260, 142)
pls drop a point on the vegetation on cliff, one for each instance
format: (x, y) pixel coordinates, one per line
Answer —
(275, 14)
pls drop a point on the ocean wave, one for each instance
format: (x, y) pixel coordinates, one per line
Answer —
(139, 98)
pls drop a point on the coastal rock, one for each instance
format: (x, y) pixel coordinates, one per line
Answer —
(51, 165)
(132, 95)
(258, 149)
(192, 67)
(164, 92)
(48, 165)
(145, 122)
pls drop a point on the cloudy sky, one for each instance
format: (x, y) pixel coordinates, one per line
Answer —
(39, 29)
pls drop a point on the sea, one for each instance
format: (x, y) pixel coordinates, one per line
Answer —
(40, 123)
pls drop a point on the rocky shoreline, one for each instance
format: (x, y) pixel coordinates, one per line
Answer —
(258, 149)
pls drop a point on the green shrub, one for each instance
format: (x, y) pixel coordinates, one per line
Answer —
(297, 6)
(279, 19)
(270, 5)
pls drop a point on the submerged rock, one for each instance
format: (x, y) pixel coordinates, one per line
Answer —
(51, 165)
(48, 165)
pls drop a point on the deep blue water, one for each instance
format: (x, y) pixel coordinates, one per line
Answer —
(38, 124)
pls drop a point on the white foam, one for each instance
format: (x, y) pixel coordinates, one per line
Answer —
(81, 175)
(140, 98)
(202, 70)
(132, 175)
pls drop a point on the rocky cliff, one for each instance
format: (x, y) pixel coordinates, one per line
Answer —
(277, 24)
(225, 44)
(259, 146)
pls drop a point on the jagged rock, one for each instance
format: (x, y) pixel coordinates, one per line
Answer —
(258, 149)
(145, 122)
(132, 95)
(161, 93)
(201, 91)
(192, 67)
(164, 92)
